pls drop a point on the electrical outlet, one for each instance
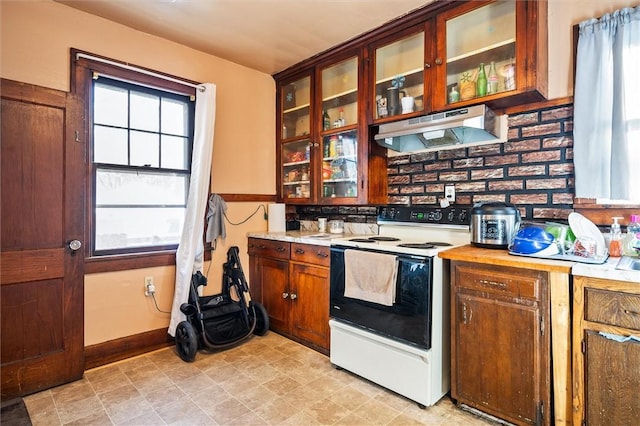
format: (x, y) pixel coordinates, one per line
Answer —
(149, 288)
(450, 193)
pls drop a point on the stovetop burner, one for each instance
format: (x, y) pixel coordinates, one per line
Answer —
(374, 239)
(382, 238)
(417, 245)
(428, 245)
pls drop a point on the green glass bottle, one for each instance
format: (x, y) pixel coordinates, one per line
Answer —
(326, 120)
(481, 82)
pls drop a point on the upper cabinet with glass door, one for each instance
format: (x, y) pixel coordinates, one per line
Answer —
(339, 143)
(295, 136)
(399, 76)
(491, 51)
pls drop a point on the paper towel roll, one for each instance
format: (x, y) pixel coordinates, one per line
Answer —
(277, 218)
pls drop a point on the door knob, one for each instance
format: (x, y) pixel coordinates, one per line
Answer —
(294, 296)
(75, 245)
(285, 295)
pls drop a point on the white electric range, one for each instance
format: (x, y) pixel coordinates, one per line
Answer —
(402, 345)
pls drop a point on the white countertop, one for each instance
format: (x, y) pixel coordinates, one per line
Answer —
(305, 237)
(605, 271)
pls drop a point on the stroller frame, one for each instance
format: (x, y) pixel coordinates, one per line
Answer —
(221, 320)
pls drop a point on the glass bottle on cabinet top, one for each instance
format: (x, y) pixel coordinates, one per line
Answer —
(486, 35)
(296, 168)
(296, 101)
(399, 69)
(340, 165)
(340, 94)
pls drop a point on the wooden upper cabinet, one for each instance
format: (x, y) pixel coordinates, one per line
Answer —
(295, 135)
(506, 38)
(400, 75)
(324, 155)
(328, 105)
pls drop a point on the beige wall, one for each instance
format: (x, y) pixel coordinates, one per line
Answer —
(562, 15)
(35, 40)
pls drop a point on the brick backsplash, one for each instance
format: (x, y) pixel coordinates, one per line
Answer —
(533, 170)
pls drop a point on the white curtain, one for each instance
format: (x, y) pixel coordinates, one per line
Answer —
(190, 254)
(607, 107)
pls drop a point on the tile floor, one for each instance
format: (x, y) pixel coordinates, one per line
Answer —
(268, 380)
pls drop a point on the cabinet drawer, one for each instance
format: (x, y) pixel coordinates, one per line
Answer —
(310, 253)
(269, 248)
(613, 308)
(509, 282)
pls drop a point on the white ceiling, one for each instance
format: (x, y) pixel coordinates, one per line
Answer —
(266, 35)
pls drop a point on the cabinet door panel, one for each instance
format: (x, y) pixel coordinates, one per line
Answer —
(310, 316)
(497, 369)
(613, 380)
(274, 276)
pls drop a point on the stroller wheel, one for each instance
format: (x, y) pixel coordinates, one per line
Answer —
(186, 341)
(262, 319)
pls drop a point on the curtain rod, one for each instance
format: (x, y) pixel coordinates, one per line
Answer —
(200, 87)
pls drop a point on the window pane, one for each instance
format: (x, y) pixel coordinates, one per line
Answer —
(110, 105)
(110, 145)
(145, 112)
(114, 187)
(145, 149)
(174, 153)
(138, 227)
(175, 117)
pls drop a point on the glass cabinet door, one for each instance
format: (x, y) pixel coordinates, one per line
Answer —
(340, 165)
(340, 94)
(481, 52)
(399, 81)
(296, 169)
(296, 103)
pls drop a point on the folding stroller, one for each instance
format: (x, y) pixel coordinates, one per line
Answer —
(222, 320)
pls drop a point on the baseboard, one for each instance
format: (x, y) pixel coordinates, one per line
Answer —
(125, 347)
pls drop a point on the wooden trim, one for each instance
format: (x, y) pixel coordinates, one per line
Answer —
(126, 347)
(568, 100)
(242, 198)
(21, 266)
(26, 92)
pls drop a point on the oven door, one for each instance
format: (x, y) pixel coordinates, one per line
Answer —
(408, 320)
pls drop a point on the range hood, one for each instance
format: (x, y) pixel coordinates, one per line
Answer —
(469, 125)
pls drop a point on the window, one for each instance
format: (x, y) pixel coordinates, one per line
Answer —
(140, 166)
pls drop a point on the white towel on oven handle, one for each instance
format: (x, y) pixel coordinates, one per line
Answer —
(370, 276)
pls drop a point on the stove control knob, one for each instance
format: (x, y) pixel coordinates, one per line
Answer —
(463, 216)
(437, 216)
(451, 216)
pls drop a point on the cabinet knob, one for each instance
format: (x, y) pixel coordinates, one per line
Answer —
(322, 254)
(294, 296)
(280, 249)
(299, 251)
(438, 61)
(285, 295)
(427, 65)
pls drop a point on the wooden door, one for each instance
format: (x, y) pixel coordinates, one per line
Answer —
(310, 307)
(611, 394)
(42, 289)
(274, 276)
(496, 357)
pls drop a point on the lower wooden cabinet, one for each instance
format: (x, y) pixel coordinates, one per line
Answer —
(606, 365)
(291, 280)
(500, 341)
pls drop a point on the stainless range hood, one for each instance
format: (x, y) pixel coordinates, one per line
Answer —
(468, 125)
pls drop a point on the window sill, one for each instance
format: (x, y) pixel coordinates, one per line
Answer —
(125, 262)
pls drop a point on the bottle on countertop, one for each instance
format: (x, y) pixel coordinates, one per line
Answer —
(492, 79)
(615, 242)
(481, 82)
(631, 242)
